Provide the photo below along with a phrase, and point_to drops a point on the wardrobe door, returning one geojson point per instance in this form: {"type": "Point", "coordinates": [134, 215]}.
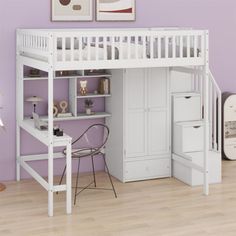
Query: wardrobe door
{"type": "Point", "coordinates": [135, 115]}
{"type": "Point", "coordinates": [158, 111]}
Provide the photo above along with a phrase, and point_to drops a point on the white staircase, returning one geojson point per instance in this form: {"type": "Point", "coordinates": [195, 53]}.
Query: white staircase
{"type": "Point", "coordinates": [190, 161]}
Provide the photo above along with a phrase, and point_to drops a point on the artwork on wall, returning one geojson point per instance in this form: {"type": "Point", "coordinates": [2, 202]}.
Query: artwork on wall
{"type": "Point", "coordinates": [115, 10]}
{"type": "Point", "coordinates": [72, 10]}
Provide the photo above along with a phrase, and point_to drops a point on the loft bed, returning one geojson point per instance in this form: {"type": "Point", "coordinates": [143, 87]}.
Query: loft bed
{"type": "Point", "coordinates": [53, 50]}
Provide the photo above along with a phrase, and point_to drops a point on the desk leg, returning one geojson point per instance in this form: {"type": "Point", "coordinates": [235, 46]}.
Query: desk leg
{"type": "Point", "coordinates": [50, 180]}
{"type": "Point", "coordinates": [68, 179]}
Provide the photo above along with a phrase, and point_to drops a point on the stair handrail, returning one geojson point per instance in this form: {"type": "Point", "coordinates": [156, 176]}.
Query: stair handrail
{"type": "Point", "coordinates": [218, 103]}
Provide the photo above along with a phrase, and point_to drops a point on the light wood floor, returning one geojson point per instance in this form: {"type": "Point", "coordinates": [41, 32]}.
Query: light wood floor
{"type": "Point", "coordinates": [157, 207]}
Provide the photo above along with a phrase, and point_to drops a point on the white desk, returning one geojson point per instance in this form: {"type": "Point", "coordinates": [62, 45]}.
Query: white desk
{"type": "Point", "coordinates": [63, 141]}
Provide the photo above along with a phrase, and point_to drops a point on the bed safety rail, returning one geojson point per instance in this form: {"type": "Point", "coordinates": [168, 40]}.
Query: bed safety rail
{"type": "Point", "coordinates": [33, 43]}
{"type": "Point", "coordinates": [95, 47]}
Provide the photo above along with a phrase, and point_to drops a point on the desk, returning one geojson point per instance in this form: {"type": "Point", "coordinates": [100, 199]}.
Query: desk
{"type": "Point", "coordinates": [63, 141]}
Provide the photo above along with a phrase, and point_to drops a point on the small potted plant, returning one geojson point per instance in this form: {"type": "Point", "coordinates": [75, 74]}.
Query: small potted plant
{"type": "Point", "coordinates": [88, 106]}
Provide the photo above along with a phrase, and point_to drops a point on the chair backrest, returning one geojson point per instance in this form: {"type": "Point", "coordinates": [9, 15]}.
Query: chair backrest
{"type": "Point", "coordinates": [95, 137]}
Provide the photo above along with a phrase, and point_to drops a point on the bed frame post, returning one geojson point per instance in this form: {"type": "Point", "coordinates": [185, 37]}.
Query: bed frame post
{"type": "Point", "coordinates": [206, 114]}
{"type": "Point", "coordinates": [19, 102]}
{"type": "Point", "coordinates": [50, 128]}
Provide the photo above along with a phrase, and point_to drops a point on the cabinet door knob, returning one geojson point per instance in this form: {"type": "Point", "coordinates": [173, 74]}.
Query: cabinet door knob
{"type": "Point", "coordinates": [187, 97]}
{"type": "Point", "coordinates": [196, 127]}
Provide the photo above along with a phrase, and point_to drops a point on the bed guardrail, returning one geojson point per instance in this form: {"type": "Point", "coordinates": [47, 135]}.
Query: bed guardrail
{"type": "Point", "coordinates": [72, 46]}
{"type": "Point", "coordinates": [152, 45]}
{"type": "Point", "coordinates": [33, 43]}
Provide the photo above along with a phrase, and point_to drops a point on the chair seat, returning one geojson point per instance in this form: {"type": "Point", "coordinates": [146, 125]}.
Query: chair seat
{"type": "Point", "coordinates": [83, 152]}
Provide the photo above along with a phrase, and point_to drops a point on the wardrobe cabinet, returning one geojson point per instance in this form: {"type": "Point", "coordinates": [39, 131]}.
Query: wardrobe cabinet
{"type": "Point", "coordinates": [139, 142]}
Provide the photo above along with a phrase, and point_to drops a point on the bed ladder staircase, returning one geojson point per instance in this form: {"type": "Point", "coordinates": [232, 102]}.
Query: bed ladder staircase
{"type": "Point", "coordinates": [188, 134]}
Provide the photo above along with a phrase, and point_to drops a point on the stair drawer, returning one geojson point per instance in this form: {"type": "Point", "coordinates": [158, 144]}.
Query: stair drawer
{"type": "Point", "coordinates": [188, 137]}
{"type": "Point", "coordinates": [147, 169]}
{"type": "Point", "coordinates": [186, 107]}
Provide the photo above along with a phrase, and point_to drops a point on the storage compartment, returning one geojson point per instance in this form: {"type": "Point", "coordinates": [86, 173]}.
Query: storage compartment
{"type": "Point", "coordinates": [188, 137]}
{"type": "Point", "coordinates": [147, 169]}
{"type": "Point", "coordinates": [193, 177]}
{"type": "Point", "coordinates": [186, 107]}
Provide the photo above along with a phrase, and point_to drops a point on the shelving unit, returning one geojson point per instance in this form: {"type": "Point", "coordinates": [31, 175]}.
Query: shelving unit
{"type": "Point", "coordinates": [74, 94]}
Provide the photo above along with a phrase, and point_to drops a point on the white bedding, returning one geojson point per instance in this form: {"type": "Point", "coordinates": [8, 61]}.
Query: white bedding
{"type": "Point", "coordinates": [117, 49]}
{"type": "Point", "coordinates": [101, 53]}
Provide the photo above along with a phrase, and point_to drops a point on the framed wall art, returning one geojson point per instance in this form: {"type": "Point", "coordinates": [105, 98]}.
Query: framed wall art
{"type": "Point", "coordinates": [72, 10]}
{"type": "Point", "coordinates": [115, 10]}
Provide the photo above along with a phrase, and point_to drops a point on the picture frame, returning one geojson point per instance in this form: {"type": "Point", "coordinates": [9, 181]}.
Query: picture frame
{"type": "Point", "coordinates": [115, 10]}
{"type": "Point", "coordinates": [71, 10]}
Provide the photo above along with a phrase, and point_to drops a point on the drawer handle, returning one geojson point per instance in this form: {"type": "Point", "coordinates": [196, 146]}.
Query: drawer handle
{"type": "Point", "coordinates": [187, 97]}
{"type": "Point", "coordinates": [197, 126]}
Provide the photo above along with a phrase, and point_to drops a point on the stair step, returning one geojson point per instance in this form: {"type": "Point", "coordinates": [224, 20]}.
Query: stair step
{"type": "Point", "coordinates": [191, 176]}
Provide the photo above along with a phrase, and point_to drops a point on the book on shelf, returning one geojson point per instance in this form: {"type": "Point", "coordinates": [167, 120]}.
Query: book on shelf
{"type": "Point", "coordinates": [67, 114]}
{"type": "Point", "coordinates": [104, 86]}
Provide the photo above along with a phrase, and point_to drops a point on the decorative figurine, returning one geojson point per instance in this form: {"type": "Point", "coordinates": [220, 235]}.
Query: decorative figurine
{"type": "Point", "coordinates": [83, 87]}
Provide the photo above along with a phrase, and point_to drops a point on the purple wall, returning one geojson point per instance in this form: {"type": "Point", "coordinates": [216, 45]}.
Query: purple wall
{"type": "Point", "coordinates": [217, 16]}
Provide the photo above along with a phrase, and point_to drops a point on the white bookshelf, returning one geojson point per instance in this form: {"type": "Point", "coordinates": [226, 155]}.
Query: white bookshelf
{"type": "Point", "coordinates": [74, 95]}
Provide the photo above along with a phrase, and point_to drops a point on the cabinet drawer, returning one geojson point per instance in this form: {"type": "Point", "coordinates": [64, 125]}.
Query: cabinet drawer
{"type": "Point", "coordinates": [188, 137]}
{"type": "Point", "coordinates": [147, 169]}
{"type": "Point", "coordinates": [186, 107]}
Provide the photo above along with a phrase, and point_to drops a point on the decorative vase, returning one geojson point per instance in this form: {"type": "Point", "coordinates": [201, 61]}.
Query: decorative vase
{"type": "Point", "coordinates": [88, 111]}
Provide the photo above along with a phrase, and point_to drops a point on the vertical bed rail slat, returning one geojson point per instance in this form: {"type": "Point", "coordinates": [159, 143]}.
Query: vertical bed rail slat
{"type": "Point", "coordinates": [96, 47]}
{"type": "Point", "coordinates": [181, 47]}
{"type": "Point", "coordinates": [89, 48]}
{"type": "Point", "coordinates": [151, 46]}
{"type": "Point", "coordinates": [72, 47]}
{"type": "Point", "coordinates": [159, 47]}
{"type": "Point", "coordinates": [112, 47]}
{"type": "Point", "coordinates": [188, 46]}
{"type": "Point", "coordinates": [36, 43]}
{"type": "Point", "coordinates": [136, 56]}
{"type": "Point", "coordinates": [166, 47]}
{"type": "Point", "coordinates": [195, 46]}
{"type": "Point", "coordinates": [63, 49]}
{"type": "Point", "coordinates": [174, 46]}
{"type": "Point", "coordinates": [144, 47]}
{"type": "Point", "coordinates": [202, 47]}
{"type": "Point", "coordinates": [105, 47]}
{"type": "Point", "coordinates": [121, 48]}
{"type": "Point", "coordinates": [80, 49]}
{"type": "Point", "coordinates": [128, 44]}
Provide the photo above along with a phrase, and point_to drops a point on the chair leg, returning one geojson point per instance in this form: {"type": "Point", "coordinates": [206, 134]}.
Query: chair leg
{"type": "Point", "coordinates": [94, 177]}
{"type": "Point", "coordinates": [77, 180]}
{"type": "Point", "coordinates": [108, 173]}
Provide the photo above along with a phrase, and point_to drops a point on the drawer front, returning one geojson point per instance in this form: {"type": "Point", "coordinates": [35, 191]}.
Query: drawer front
{"type": "Point", "coordinates": [147, 169]}
{"type": "Point", "coordinates": [193, 139]}
{"type": "Point", "coordinates": [186, 108]}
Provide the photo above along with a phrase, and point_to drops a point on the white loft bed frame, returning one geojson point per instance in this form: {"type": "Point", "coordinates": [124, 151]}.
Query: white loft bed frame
{"type": "Point", "coordinates": [50, 50]}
